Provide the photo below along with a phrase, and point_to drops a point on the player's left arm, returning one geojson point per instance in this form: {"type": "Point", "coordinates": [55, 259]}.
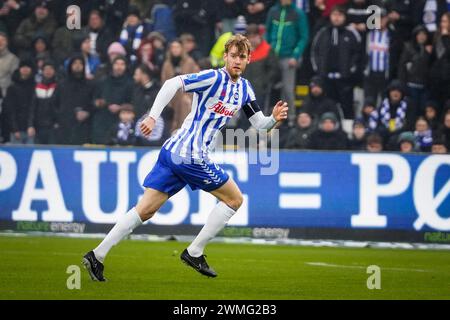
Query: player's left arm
{"type": "Point", "coordinates": [257, 118]}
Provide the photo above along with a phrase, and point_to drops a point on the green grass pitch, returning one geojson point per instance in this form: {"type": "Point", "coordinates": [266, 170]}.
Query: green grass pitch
{"type": "Point", "coordinates": [35, 268]}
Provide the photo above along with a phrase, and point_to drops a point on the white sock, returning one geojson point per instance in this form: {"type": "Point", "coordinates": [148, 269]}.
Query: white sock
{"type": "Point", "coordinates": [217, 220]}
{"type": "Point", "coordinates": [124, 226]}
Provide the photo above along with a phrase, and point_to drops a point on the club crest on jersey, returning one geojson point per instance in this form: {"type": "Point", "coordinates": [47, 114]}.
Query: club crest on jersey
{"type": "Point", "coordinates": [222, 110]}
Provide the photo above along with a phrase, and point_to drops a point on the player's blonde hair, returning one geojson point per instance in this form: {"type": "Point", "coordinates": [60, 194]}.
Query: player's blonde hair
{"type": "Point", "coordinates": [240, 42]}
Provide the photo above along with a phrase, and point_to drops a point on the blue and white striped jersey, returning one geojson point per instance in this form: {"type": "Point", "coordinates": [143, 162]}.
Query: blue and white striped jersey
{"type": "Point", "coordinates": [378, 50]}
{"type": "Point", "coordinates": [216, 99]}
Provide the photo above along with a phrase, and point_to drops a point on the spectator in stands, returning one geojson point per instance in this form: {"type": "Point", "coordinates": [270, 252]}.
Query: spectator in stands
{"type": "Point", "coordinates": [115, 50]}
{"type": "Point", "coordinates": [42, 117]}
{"type": "Point", "coordinates": [123, 133]}
{"type": "Point", "coordinates": [317, 103]}
{"type": "Point", "coordinates": [423, 134]}
{"type": "Point", "coordinates": [190, 46]}
{"type": "Point", "coordinates": [256, 11]}
{"type": "Point", "coordinates": [359, 136]}
{"type": "Point", "coordinates": [431, 114]}
{"type": "Point", "coordinates": [8, 64]}
{"type": "Point", "coordinates": [73, 101]}
{"type": "Point", "coordinates": [229, 11]}
{"type": "Point", "coordinates": [335, 57]}
{"type": "Point", "coordinates": [415, 65]}
{"type": "Point", "coordinates": [18, 101]}
{"type": "Point", "coordinates": [197, 17]}
{"type": "Point", "coordinates": [298, 137]}
{"type": "Point", "coordinates": [12, 12]}
{"type": "Point", "coordinates": [443, 133]}
{"type": "Point", "coordinates": [82, 44]}
{"type": "Point", "coordinates": [110, 94]}
{"type": "Point", "coordinates": [396, 113]}
{"type": "Point", "coordinates": [161, 18]}
{"type": "Point", "coordinates": [145, 90]}
{"type": "Point", "coordinates": [114, 12]}
{"type": "Point", "coordinates": [217, 51]}
{"type": "Point", "coordinates": [374, 143]}
{"type": "Point", "coordinates": [287, 32]}
{"type": "Point", "coordinates": [400, 14]}
{"type": "Point", "coordinates": [41, 22]}
{"type": "Point", "coordinates": [329, 135]}
{"type": "Point", "coordinates": [100, 36]}
{"type": "Point", "coordinates": [369, 115]}
{"type": "Point", "coordinates": [440, 70]}
{"type": "Point", "coordinates": [159, 50]}
{"type": "Point", "coordinates": [407, 142]}
{"type": "Point", "coordinates": [429, 13]}
{"type": "Point", "coordinates": [40, 47]}
{"type": "Point", "coordinates": [378, 57]}
{"type": "Point", "coordinates": [262, 62]}
{"type": "Point", "coordinates": [146, 56]}
{"type": "Point", "coordinates": [177, 63]}
{"type": "Point", "coordinates": [133, 31]}
{"type": "Point", "coordinates": [439, 147]}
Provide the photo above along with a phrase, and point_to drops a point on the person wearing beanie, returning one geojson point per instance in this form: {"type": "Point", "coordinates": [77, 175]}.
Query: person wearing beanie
{"type": "Point", "coordinates": [74, 111]}
{"type": "Point", "coordinates": [287, 32]}
{"type": "Point", "coordinates": [329, 135]}
{"type": "Point", "coordinates": [336, 57]}
{"type": "Point", "coordinates": [317, 103]}
{"type": "Point", "coordinates": [40, 22]}
{"type": "Point", "coordinates": [407, 142]}
{"type": "Point", "coordinates": [414, 66]}
{"type": "Point", "coordinates": [396, 113]}
{"type": "Point", "coordinates": [17, 103]}
{"type": "Point", "coordinates": [217, 51]}
{"type": "Point", "coordinates": [114, 51]}
{"type": "Point", "coordinates": [298, 137]}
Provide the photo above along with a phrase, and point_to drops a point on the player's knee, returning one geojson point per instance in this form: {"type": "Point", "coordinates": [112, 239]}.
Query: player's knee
{"type": "Point", "coordinates": [236, 202]}
{"type": "Point", "coordinates": [145, 212]}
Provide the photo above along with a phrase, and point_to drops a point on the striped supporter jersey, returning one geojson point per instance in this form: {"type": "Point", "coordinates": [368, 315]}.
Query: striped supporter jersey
{"type": "Point", "coordinates": [216, 99]}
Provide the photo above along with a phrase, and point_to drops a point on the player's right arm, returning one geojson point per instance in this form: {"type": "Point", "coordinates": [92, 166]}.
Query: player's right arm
{"type": "Point", "coordinates": [195, 82]}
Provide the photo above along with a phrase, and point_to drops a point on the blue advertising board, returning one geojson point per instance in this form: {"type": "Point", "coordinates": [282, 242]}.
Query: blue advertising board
{"type": "Point", "coordinates": [288, 189]}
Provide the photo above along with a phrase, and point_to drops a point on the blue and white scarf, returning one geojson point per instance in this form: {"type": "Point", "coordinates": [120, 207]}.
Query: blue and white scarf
{"type": "Point", "coordinates": [124, 36]}
{"type": "Point", "coordinates": [385, 114]}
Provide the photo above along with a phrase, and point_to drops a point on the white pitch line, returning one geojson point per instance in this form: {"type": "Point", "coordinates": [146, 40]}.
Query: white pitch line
{"type": "Point", "coordinates": [329, 265]}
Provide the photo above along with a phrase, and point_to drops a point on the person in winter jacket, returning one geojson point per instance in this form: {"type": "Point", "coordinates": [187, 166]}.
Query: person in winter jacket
{"type": "Point", "coordinates": [17, 103]}
{"type": "Point", "coordinates": [415, 66]}
{"type": "Point", "coordinates": [110, 94]}
{"type": "Point", "coordinates": [73, 100]}
{"type": "Point", "coordinates": [317, 103]}
{"type": "Point", "coordinates": [298, 137]}
{"type": "Point", "coordinates": [440, 69]}
{"type": "Point", "coordinates": [41, 22]}
{"type": "Point", "coordinates": [335, 56]}
{"type": "Point", "coordinates": [42, 118]}
{"type": "Point", "coordinates": [329, 135]}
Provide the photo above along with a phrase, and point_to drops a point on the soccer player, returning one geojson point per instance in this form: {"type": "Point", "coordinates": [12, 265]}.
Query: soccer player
{"type": "Point", "coordinates": [183, 159]}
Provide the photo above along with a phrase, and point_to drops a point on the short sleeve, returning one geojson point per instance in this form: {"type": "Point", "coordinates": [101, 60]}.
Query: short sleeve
{"type": "Point", "coordinates": [198, 82]}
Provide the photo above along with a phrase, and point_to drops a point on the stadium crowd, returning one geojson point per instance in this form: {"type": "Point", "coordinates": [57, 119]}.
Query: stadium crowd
{"type": "Point", "coordinates": [389, 77]}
